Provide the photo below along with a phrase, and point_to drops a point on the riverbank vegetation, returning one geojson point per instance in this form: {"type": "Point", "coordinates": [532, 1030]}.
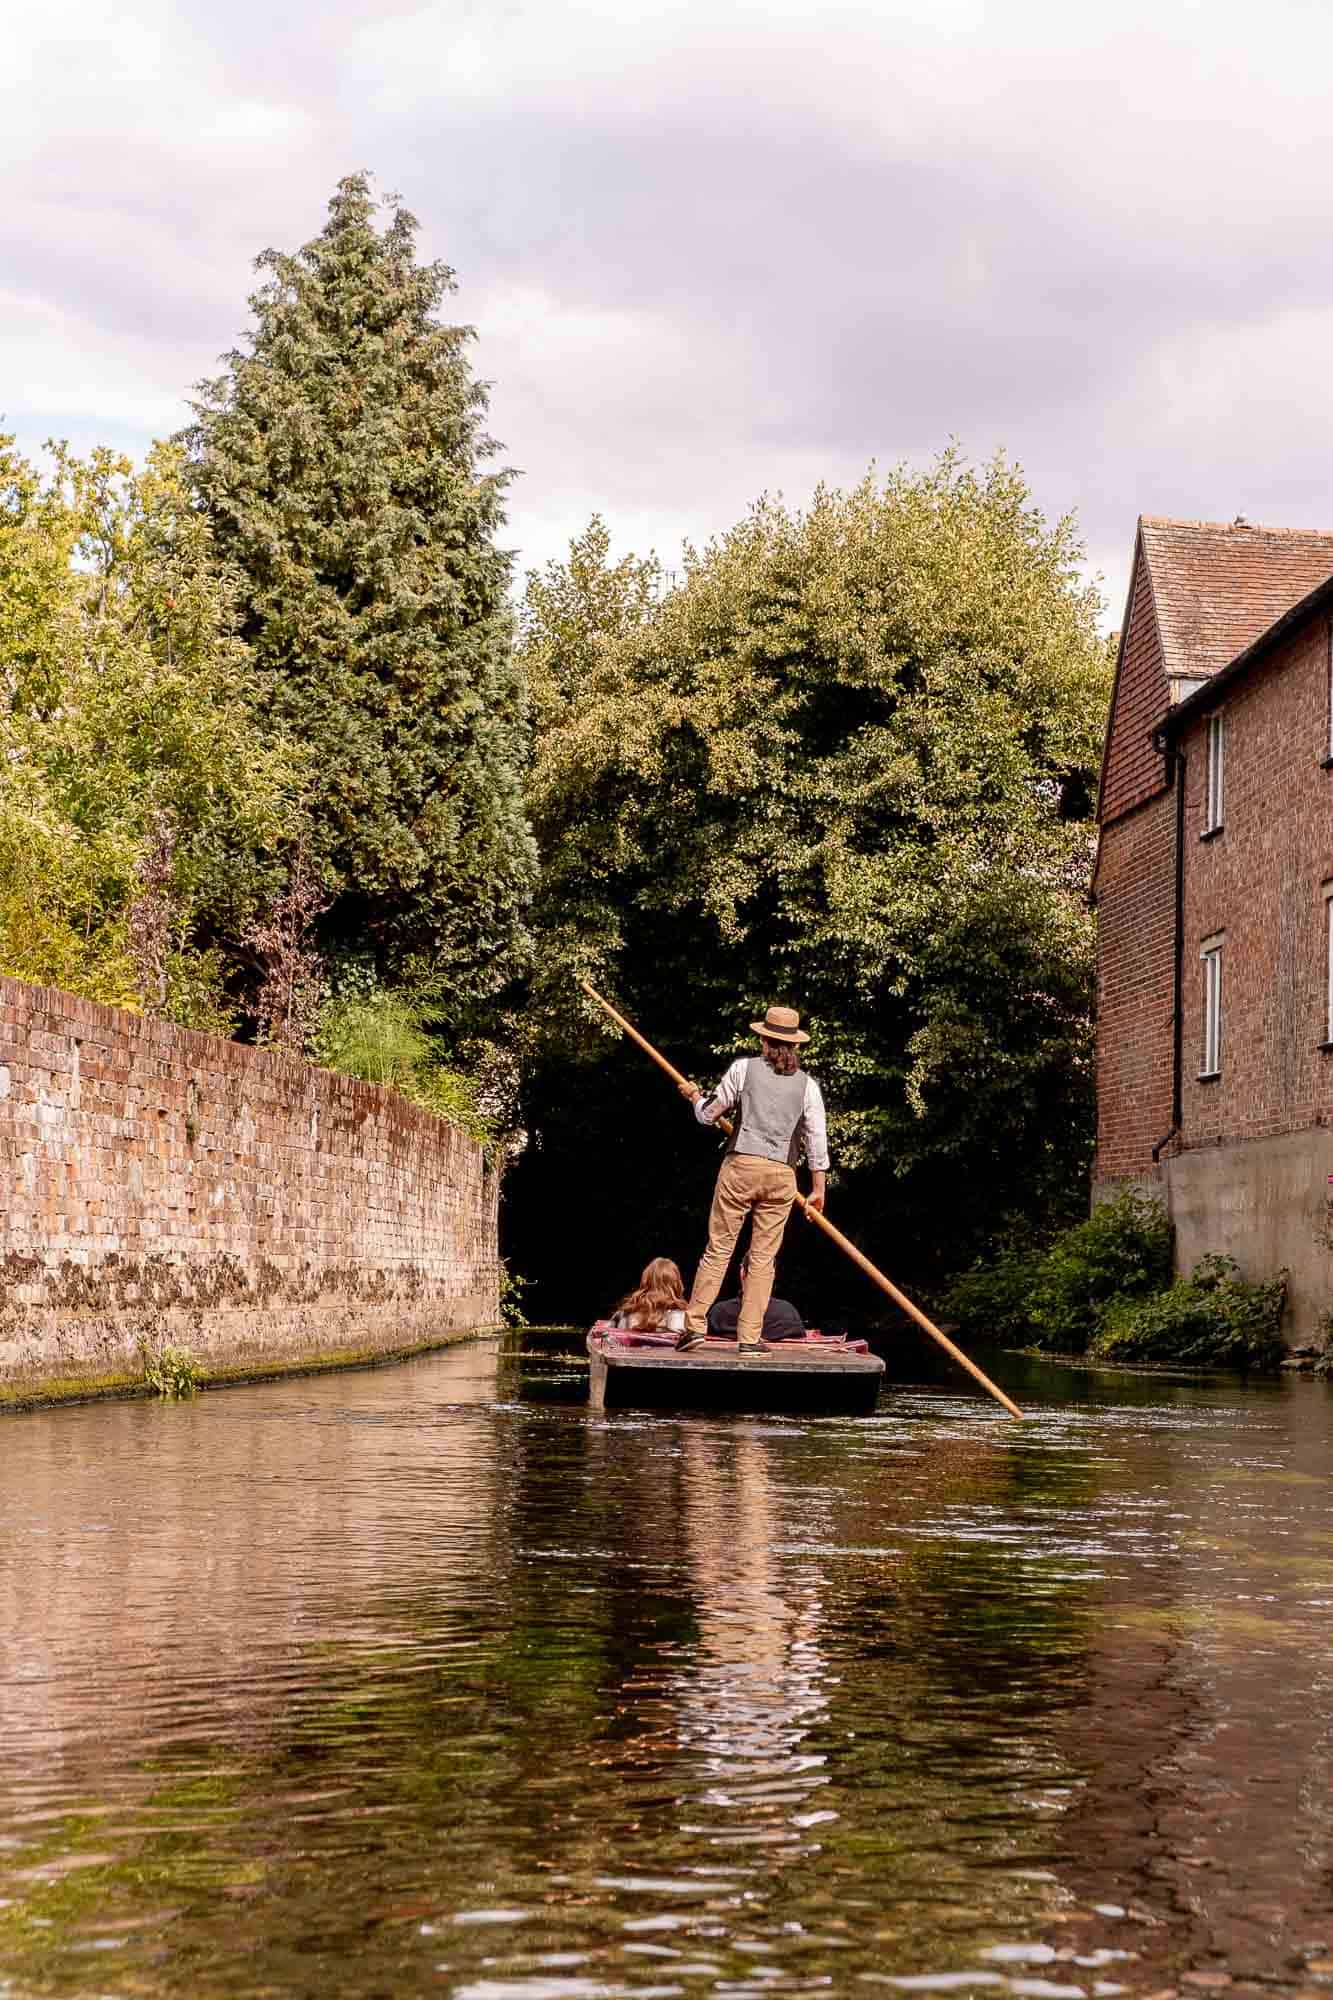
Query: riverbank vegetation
{"type": "Point", "coordinates": [282, 758]}
{"type": "Point", "coordinates": [1105, 1288]}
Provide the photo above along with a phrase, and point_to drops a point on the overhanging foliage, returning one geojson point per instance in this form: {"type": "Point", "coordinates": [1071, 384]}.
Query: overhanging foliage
{"type": "Point", "coordinates": [843, 762]}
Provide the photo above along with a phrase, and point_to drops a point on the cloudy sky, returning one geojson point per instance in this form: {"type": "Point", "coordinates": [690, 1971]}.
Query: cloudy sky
{"type": "Point", "coordinates": [713, 247]}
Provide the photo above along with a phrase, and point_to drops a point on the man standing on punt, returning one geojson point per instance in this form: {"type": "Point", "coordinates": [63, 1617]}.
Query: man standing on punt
{"type": "Point", "coordinates": [780, 1114]}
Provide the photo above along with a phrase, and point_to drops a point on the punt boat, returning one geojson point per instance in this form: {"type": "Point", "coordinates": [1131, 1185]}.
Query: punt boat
{"type": "Point", "coordinates": [821, 1375]}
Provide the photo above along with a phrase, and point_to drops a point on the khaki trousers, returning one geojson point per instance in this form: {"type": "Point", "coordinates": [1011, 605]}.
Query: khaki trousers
{"type": "Point", "coordinates": [765, 1191]}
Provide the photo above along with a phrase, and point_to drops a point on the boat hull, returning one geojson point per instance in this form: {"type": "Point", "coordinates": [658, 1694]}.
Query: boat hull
{"type": "Point", "coordinates": [793, 1378]}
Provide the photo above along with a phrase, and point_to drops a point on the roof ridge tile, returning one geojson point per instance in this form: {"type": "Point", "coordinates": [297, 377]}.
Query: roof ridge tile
{"type": "Point", "coordinates": [1236, 527]}
{"type": "Point", "coordinates": [1217, 586]}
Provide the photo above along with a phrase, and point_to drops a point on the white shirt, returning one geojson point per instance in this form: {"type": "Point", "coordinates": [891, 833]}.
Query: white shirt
{"type": "Point", "coordinates": [672, 1321]}
{"type": "Point", "coordinates": [812, 1129]}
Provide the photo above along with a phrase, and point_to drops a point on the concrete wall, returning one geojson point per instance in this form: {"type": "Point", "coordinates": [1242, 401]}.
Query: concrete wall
{"type": "Point", "coordinates": [1265, 1203]}
{"type": "Point", "coordinates": [169, 1186]}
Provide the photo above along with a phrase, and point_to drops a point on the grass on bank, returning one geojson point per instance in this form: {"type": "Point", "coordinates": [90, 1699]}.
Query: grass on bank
{"type": "Point", "coordinates": [18, 1396]}
{"type": "Point", "coordinates": [1105, 1288]}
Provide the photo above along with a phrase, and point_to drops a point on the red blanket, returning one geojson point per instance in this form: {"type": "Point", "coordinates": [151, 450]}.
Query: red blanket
{"type": "Point", "coordinates": [622, 1336]}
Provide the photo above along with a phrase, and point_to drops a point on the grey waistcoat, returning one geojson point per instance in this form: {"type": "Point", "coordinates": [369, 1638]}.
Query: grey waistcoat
{"type": "Point", "coordinates": [770, 1110]}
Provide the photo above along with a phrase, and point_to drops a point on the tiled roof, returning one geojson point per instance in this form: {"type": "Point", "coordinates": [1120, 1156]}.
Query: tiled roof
{"type": "Point", "coordinates": [1216, 586]}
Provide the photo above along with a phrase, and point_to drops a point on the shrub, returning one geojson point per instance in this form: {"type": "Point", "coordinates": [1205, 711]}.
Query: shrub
{"type": "Point", "coordinates": [171, 1371]}
{"type": "Point", "coordinates": [1324, 1365]}
{"type": "Point", "coordinates": [1123, 1251]}
{"type": "Point", "coordinates": [512, 1288]}
{"type": "Point", "coordinates": [1212, 1319]}
{"type": "Point", "coordinates": [996, 1301]}
{"type": "Point", "coordinates": [1058, 1298]}
{"type": "Point", "coordinates": [383, 1038]}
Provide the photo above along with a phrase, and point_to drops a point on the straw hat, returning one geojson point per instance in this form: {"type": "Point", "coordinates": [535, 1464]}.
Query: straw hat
{"type": "Point", "coordinates": [781, 1024]}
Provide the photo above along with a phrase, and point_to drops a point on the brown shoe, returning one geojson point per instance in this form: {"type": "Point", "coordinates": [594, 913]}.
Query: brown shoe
{"type": "Point", "coordinates": [685, 1341]}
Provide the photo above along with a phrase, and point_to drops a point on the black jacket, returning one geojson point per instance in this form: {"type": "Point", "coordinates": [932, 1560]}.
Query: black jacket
{"type": "Point", "coordinates": [781, 1321]}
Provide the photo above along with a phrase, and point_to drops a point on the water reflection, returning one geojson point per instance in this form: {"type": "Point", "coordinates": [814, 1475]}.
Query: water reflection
{"type": "Point", "coordinates": [138, 1547]}
{"type": "Point", "coordinates": [747, 1699]}
{"type": "Point", "coordinates": [402, 1682]}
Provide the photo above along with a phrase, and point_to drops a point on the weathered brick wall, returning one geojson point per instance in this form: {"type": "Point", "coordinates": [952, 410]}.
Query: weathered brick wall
{"type": "Point", "coordinates": [1260, 882]}
{"type": "Point", "coordinates": [1135, 988]}
{"type": "Point", "coordinates": [1135, 891]}
{"type": "Point", "coordinates": [1132, 769]}
{"type": "Point", "coordinates": [165, 1185]}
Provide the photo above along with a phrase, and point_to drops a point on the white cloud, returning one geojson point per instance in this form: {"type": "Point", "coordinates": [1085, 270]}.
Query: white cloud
{"type": "Point", "coordinates": [713, 246]}
{"type": "Point", "coordinates": [55, 386]}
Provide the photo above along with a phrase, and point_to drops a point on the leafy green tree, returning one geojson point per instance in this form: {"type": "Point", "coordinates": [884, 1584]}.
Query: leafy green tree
{"type": "Point", "coordinates": [574, 616]}
{"type": "Point", "coordinates": [141, 814]}
{"type": "Point", "coordinates": [340, 460]}
{"type": "Point", "coordinates": [843, 763]}
{"type": "Point", "coordinates": [38, 591]}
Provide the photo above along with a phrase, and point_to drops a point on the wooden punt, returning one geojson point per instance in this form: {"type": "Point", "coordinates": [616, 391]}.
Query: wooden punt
{"type": "Point", "coordinates": [817, 1376]}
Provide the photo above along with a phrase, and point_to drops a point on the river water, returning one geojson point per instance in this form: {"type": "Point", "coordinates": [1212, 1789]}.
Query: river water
{"type": "Point", "coordinates": [427, 1680]}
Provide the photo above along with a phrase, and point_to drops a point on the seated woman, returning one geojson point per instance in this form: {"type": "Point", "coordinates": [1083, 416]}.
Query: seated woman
{"type": "Point", "coordinates": [658, 1302]}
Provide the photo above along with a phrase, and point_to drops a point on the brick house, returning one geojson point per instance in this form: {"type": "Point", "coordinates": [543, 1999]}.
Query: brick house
{"type": "Point", "coordinates": [1214, 893]}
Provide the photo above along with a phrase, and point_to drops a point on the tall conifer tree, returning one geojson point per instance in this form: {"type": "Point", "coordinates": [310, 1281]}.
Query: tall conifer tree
{"type": "Point", "coordinates": [340, 459]}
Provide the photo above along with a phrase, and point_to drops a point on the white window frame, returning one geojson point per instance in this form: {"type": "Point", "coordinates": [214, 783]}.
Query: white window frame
{"type": "Point", "coordinates": [1328, 687]}
{"type": "Point", "coordinates": [1215, 772]}
{"type": "Point", "coordinates": [1328, 965]}
{"type": "Point", "coordinates": [1210, 956]}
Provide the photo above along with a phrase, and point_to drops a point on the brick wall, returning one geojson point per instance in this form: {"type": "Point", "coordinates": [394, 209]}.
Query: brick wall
{"type": "Point", "coordinates": [1135, 987]}
{"type": "Point", "coordinates": [165, 1185]}
{"type": "Point", "coordinates": [1260, 883]}
{"type": "Point", "coordinates": [1132, 769]}
{"type": "Point", "coordinates": [1135, 890]}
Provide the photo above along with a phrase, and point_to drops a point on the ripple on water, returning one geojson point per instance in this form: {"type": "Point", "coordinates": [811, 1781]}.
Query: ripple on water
{"type": "Point", "coordinates": [377, 1683]}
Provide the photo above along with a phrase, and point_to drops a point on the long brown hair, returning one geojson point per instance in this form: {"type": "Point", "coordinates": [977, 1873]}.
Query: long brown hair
{"type": "Point", "coordinates": [660, 1288]}
{"type": "Point", "coordinates": [784, 1057]}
